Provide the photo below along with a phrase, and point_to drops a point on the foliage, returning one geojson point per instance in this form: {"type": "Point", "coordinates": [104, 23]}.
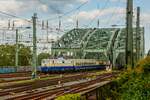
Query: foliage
{"type": "Point", "coordinates": [7, 55]}
{"type": "Point", "coordinates": [42, 56]}
{"type": "Point", "coordinates": [134, 84]}
{"type": "Point", "coordinates": [25, 56]}
{"type": "Point", "coordinates": [144, 65]}
{"type": "Point", "coordinates": [70, 97]}
{"type": "Point", "coordinates": [136, 89]}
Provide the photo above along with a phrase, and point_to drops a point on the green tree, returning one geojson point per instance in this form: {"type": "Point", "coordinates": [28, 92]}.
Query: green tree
{"type": "Point", "coordinates": [134, 84]}
{"type": "Point", "coordinates": [42, 56]}
{"type": "Point", "coordinates": [24, 55]}
{"type": "Point", "coordinates": [7, 55]}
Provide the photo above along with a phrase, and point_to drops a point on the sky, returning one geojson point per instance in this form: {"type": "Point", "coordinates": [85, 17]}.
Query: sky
{"type": "Point", "coordinates": [109, 12]}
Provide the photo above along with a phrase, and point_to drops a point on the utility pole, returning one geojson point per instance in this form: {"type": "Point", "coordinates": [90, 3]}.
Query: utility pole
{"type": "Point", "coordinates": [98, 23]}
{"type": "Point", "coordinates": [47, 31]}
{"type": "Point", "coordinates": [129, 34]}
{"type": "Point", "coordinates": [34, 59]}
{"type": "Point", "coordinates": [17, 51]}
{"type": "Point", "coordinates": [59, 25]}
{"type": "Point", "coordinates": [8, 24]}
{"type": "Point", "coordinates": [138, 35]}
{"type": "Point", "coordinates": [42, 25]}
{"type": "Point", "coordinates": [13, 25]}
{"type": "Point", "coordinates": [77, 24]}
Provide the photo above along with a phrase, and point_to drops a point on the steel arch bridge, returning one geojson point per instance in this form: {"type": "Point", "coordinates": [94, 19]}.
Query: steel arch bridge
{"type": "Point", "coordinates": [106, 44]}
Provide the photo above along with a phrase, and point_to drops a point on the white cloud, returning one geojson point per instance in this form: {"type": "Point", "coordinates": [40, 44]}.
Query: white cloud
{"type": "Point", "coordinates": [145, 17]}
{"type": "Point", "coordinates": [88, 15]}
{"type": "Point", "coordinates": [60, 6]}
{"type": "Point", "coordinates": [119, 1]}
{"type": "Point", "coordinates": [82, 1]}
{"type": "Point", "coordinates": [44, 8]}
{"type": "Point", "coordinates": [70, 20]}
{"type": "Point", "coordinates": [10, 5]}
{"type": "Point", "coordinates": [20, 6]}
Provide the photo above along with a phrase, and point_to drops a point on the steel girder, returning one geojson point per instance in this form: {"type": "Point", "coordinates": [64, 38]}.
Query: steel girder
{"type": "Point", "coordinates": [105, 44]}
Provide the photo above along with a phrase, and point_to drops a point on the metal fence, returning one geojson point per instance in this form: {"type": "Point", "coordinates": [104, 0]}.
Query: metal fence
{"type": "Point", "coordinates": [12, 69]}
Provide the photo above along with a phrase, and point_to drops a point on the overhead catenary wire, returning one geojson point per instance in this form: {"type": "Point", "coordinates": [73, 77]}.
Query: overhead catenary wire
{"type": "Point", "coordinates": [114, 12]}
{"type": "Point", "coordinates": [69, 12]}
{"type": "Point", "coordinates": [15, 16]}
{"type": "Point", "coordinates": [64, 15]}
{"type": "Point", "coordinates": [99, 12]}
{"type": "Point", "coordinates": [11, 15]}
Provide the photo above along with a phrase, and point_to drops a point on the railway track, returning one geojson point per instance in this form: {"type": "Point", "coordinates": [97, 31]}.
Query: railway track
{"type": "Point", "coordinates": [38, 84]}
{"type": "Point", "coordinates": [10, 75]}
{"type": "Point", "coordinates": [76, 88]}
{"type": "Point", "coordinates": [8, 86]}
{"type": "Point", "coordinates": [28, 74]}
{"type": "Point", "coordinates": [57, 91]}
{"type": "Point", "coordinates": [21, 78]}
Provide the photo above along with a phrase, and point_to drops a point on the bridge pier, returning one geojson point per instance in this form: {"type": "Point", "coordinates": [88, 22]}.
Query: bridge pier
{"type": "Point", "coordinates": [98, 93]}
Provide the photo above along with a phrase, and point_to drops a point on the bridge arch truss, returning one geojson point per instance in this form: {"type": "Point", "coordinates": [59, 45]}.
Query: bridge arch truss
{"type": "Point", "coordinates": [106, 44]}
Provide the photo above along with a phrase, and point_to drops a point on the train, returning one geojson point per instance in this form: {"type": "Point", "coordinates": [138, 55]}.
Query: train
{"type": "Point", "coordinates": [71, 65]}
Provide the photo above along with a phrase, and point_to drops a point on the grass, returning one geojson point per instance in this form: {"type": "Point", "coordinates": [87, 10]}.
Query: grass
{"type": "Point", "coordinates": [70, 97]}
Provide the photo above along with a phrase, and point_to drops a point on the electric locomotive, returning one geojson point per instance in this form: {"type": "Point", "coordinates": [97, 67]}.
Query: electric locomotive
{"type": "Point", "coordinates": [71, 65]}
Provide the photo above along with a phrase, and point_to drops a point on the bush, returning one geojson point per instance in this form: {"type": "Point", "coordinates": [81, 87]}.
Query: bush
{"type": "Point", "coordinates": [135, 89]}
{"type": "Point", "coordinates": [134, 84]}
{"type": "Point", "coordinates": [143, 65]}
{"type": "Point", "coordinates": [70, 97]}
